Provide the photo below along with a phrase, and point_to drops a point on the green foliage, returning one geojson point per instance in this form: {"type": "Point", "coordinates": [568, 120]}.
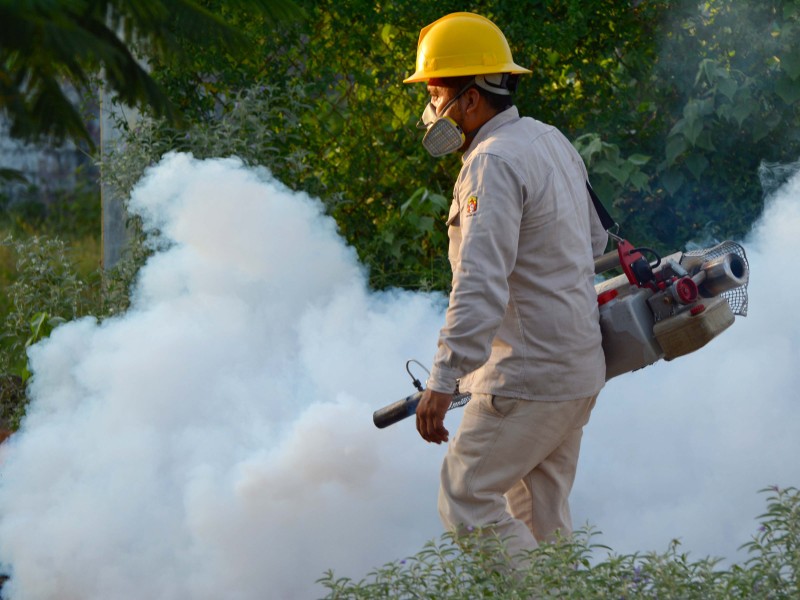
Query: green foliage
{"type": "Point", "coordinates": [46, 293]}
{"type": "Point", "coordinates": [476, 566]}
{"type": "Point", "coordinates": [413, 240]}
{"type": "Point", "coordinates": [260, 127]}
{"type": "Point", "coordinates": [72, 214]}
{"type": "Point", "coordinates": [12, 402]}
{"type": "Point", "coordinates": [733, 105]}
{"type": "Point", "coordinates": [672, 103]}
{"type": "Point", "coordinates": [49, 288]}
{"type": "Point", "coordinates": [351, 139]}
{"type": "Point", "coordinates": [775, 561]}
{"type": "Point", "coordinates": [44, 43]}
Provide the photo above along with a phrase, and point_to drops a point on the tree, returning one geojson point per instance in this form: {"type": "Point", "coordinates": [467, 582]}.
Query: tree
{"type": "Point", "coordinates": [672, 104]}
{"type": "Point", "coordinates": [44, 44]}
{"type": "Point", "coordinates": [723, 95]}
{"type": "Point", "coordinates": [362, 150]}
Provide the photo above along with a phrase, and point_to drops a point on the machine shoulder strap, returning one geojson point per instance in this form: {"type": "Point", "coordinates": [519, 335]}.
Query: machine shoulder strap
{"type": "Point", "coordinates": [605, 218]}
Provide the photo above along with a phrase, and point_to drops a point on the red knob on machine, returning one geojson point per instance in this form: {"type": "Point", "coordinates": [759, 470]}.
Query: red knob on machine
{"type": "Point", "coordinates": [686, 290]}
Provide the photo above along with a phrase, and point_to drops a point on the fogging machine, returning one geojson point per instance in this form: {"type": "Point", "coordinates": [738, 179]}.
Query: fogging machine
{"type": "Point", "coordinates": [657, 308]}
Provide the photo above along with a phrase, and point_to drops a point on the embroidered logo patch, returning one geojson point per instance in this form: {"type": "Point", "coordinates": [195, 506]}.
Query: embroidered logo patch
{"type": "Point", "coordinates": [472, 205]}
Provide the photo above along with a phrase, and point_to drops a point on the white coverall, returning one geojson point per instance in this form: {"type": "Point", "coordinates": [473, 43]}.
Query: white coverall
{"type": "Point", "coordinates": [522, 330]}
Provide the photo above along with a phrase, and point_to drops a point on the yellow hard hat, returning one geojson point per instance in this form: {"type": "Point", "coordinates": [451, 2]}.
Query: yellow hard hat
{"type": "Point", "coordinates": [462, 44]}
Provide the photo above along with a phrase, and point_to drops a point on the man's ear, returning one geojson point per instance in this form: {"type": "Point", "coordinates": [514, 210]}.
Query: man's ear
{"type": "Point", "coordinates": [473, 98]}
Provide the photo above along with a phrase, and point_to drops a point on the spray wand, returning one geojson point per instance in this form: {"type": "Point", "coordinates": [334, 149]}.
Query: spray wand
{"type": "Point", "coordinates": [397, 411]}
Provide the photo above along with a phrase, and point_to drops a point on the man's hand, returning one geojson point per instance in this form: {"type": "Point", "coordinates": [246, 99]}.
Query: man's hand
{"type": "Point", "coordinates": [430, 416]}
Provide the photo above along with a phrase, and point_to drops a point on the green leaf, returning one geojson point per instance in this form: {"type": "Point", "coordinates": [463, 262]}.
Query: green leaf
{"type": "Point", "coordinates": [742, 110]}
{"type": "Point", "coordinates": [724, 111]}
{"type": "Point", "coordinates": [640, 181]}
{"type": "Point", "coordinates": [643, 107]}
{"type": "Point", "coordinates": [694, 127]}
{"type": "Point", "coordinates": [54, 322]}
{"type": "Point", "coordinates": [672, 180]}
{"type": "Point", "coordinates": [603, 187]}
{"type": "Point", "coordinates": [418, 196]}
{"type": "Point", "coordinates": [616, 171]}
{"type": "Point", "coordinates": [388, 33]}
{"type": "Point", "coordinates": [639, 159]}
{"type": "Point", "coordinates": [727, 87]}
{"type": "Point", "coordinates": [790, 64]}
{"type": "Point", "coordinates": [788, 90]}
{"type": "Point", "coordinates": [38, 321]}
{"type": "Point", "coordinates": [39, 328]}
{"type": "Point", "coordinates": [678, 128]}
{"type": "Point", "coordinates": [692, 123]}
{"type": "Point", "coordinates": [697, 164]}
{"type": "Point", "coordinates": [425, 224]}
{"type": "Point", "coordinates": [708, 70]}
{"type": "Point", "coordinates": [695, 109]}
{"type": "Point", "coordinates": [675, 147]}
{"type": "Point", "coordinates": [705, 141]}
{"type": "Point", "coordinates": [438, 201]}
{"type": "Point", "coordinates": [759, 131]}
{"type": "Point", "coordinates": [588, 145]}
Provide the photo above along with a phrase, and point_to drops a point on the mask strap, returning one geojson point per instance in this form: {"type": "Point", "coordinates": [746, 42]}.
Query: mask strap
{"type": "Point", "coordinates": [457, 96]}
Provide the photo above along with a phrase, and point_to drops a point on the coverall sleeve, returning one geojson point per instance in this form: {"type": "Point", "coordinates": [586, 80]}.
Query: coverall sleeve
{"type": "Point", "coordinates": [490, 197]}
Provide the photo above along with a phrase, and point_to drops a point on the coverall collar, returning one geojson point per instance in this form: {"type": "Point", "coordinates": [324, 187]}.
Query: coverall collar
{"type": "Point", "coordinates": [507, 116]}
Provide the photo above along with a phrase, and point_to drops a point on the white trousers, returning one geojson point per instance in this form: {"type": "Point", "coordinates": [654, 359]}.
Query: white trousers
{"type": "Point", "coordinates": [511, 467]}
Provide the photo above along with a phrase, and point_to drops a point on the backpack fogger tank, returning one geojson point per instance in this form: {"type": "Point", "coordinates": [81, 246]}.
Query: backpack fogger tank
{"type": "Point", "coordinates": [670, 308]}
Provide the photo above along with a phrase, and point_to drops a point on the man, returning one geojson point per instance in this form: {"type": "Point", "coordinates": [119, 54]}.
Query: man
{"type": "Point", "coordinates": [521, 331]}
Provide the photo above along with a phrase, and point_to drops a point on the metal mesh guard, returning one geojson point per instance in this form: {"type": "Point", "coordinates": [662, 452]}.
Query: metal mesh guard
{"type": "Point", "coordinates": [737, 297]}
{"type": "Point", "coordinates": [459, 400]}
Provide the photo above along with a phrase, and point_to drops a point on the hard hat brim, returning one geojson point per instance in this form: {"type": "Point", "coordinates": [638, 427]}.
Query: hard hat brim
{"type": "Point", "coordinates": [426, 74]}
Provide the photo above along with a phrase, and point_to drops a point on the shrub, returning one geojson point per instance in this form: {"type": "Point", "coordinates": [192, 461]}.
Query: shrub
{"type": "Point", "coordinates": [473, 567]}
{"type": "Point", "coordinates": [49, 288]}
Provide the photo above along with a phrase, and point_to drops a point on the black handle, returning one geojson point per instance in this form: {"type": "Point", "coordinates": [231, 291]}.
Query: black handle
{"type": "Point", "coordinates": [397, 411]}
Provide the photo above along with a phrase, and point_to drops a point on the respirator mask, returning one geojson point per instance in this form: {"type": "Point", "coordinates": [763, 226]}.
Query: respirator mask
{"type": "Point", "coordinates": [443, 135]}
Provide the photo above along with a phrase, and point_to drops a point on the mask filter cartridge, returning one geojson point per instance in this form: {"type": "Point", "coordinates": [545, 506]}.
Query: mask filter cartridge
{"type": "Point", "coordinates": [444, 136]}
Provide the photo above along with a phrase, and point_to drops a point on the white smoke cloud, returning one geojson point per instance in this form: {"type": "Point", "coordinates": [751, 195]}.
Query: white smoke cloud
{"type": "Point", "coordinates": [216, 441]}
{"type": "Point", "coordinates": [680, 450]}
